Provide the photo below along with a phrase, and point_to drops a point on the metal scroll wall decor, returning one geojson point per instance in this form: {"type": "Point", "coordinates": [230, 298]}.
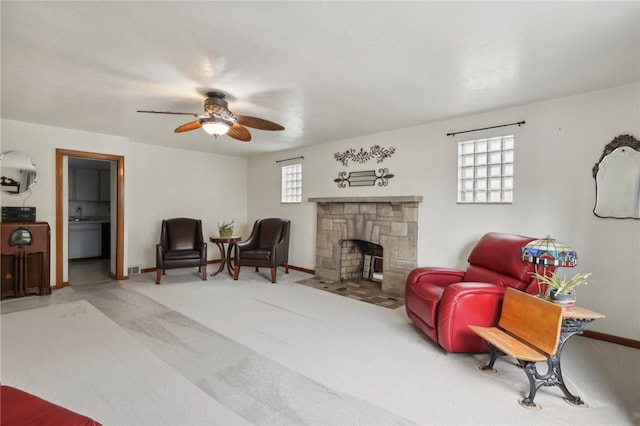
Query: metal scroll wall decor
{"type": "Point", "coordinates": [362, 156]}
{"type": "Point", "coordinates": [364, 178]}
{"type": "Point", "coordinates": [378, 177]}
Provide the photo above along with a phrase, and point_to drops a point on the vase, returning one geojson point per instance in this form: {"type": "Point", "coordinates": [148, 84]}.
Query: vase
{"type": "Point", "coordinates": [566, 300]}
{"type": "Point", "coordinates": [225, 233]}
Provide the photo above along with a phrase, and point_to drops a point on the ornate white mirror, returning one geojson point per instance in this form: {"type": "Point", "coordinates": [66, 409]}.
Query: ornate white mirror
{"type": "Point", "coordinates": [617, 176]}
{"type": "Point", "coordinates": [18, 172]}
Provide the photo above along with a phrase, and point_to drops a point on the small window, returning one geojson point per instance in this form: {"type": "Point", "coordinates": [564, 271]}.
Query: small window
{"type": "Point", "coordinates": [485, 170]}
{"type": "Point", "coordinates": [292, 183]}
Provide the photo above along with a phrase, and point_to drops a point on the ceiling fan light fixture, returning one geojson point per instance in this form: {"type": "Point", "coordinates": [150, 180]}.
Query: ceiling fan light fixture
{"type": "Point", "coordinates": [218, 120]}
{"type": "Point", "coordinates": [215, 126]}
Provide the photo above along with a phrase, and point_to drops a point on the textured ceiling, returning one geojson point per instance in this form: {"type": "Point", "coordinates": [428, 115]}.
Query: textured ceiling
{"type": "Point", "coordinates": [325, 70]}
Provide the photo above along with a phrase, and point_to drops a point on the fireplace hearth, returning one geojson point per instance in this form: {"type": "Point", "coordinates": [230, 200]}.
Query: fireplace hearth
{"type": "Point", "coordinates": [389, 222]}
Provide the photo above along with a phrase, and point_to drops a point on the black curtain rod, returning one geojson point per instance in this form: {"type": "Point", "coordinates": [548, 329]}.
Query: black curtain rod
{"type": "Point", "coordinates": [287, 159]}
{"type": "Point", "coordinates": [519, 123]}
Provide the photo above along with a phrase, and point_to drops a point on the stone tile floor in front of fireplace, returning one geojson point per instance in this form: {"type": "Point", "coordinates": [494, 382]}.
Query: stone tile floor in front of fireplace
{"type": "Point", "coordinates": [359, 289]}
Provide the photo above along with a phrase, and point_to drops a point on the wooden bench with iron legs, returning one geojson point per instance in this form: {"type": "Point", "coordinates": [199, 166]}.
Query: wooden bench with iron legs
{"type": "Point", "coordinates": [529, 331]}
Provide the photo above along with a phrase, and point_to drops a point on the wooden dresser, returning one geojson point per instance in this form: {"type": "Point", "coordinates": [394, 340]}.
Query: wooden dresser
{"type": "Point", "coordinates": [25, 250]}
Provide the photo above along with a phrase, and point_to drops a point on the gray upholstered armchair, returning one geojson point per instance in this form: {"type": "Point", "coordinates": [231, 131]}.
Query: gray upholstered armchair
{"type": "Point", "coordinates": [267, 247]}
{"type": "Point", "coordinates": [181, 245]}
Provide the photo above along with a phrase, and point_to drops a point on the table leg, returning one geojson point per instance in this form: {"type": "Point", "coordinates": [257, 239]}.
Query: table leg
{"type": "Point", "coordinates": [229, 267]}
{"type": "Point", "coordinates": [223, 259]}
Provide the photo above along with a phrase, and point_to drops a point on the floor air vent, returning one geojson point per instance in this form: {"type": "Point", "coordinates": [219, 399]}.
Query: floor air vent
{"type": "Point", "coordinates": [134, 270]}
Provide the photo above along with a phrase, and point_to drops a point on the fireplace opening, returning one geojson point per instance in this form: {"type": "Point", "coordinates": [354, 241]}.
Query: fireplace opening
{"type": "Point", "coordinates": [361, 260]}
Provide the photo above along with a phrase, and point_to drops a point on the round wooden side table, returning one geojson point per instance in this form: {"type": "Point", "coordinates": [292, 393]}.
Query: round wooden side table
{"type": "Point", "coordinates": [225, 257]}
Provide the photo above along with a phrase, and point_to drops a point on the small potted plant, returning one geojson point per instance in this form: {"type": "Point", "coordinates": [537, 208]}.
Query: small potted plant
{"type": "Point", "coordinates": [561, 290]}
{"type": "Point", "coordinates": [226, 229]}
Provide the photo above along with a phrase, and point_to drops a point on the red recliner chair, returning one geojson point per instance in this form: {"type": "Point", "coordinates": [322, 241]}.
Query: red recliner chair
{"type": "Point", "coordinates": [25, 409]}
{"type": "Point", "coordinates": [442, 302]}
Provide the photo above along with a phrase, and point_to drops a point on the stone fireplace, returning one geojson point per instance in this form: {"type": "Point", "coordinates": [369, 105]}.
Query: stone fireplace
{"type": "Point", "coordinates": [391, 222]}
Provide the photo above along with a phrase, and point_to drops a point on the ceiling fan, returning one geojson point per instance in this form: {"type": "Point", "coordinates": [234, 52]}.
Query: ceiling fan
{"type": "Point", "coordinates": [218, 120]}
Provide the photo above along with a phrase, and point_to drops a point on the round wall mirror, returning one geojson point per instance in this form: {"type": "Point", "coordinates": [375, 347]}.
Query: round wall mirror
{"type": "Point", "coordinates": [18, 172]}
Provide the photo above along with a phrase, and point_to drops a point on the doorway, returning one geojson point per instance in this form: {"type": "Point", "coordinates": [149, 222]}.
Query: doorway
{"type": "Point", "coordinates": [89, 213]}
{"type": "Point", "coordinates": [116, 216]}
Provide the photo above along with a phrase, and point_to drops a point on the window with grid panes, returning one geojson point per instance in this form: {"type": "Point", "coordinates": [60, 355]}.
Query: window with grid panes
{"type": "Point", "coordinates": [292, 183]}
{"type": "Point", "coordinates": [485, 170]}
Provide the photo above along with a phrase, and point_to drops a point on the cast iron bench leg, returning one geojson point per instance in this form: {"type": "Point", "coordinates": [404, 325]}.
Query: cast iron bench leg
{"type": "Point", "coordinates": [535, 382]}
{"type": "Point", "coordinates": [495, 353]}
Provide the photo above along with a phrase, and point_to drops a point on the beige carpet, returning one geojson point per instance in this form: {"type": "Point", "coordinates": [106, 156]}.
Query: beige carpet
{"type": "Point", "coordinates": [95, 368]}
{"type": "Point", "coordinates": [192, 352]}
{"type": "Point", "coordinates": [378, 356]}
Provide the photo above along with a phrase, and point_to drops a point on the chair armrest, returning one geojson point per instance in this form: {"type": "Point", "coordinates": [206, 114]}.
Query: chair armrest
{"type": "Point", "coordinates": [441, 277]}
{"type": "Point", "coordinates": [241, 246]}
{"type": "Point", "coordinates": [279, 249]}
{"type": "Point", "coordinates": [203, 253]}
{"type": "Point", "coordinates": [23, 408]}
{"type": "Point", "coordinates": [472, 292]}
{"type": "Point", "coordinates": [463, 304]}
{"type": "Point", "coordinates": [200, 243]}
{"type": "Point", "coordinates": [282, 252]}
{"type": "Point", "coordinates": [245, 245]}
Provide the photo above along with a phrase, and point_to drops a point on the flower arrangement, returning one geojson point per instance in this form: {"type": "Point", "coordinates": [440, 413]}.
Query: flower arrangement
{"type": "Point", "coordinates": [226, 228]}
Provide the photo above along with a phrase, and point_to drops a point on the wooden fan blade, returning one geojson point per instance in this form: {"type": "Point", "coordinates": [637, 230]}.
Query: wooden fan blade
{"type": "Point", "coordinates": [238, 131]}
{"type": "Point", "coordinates": [189, 126]}
{"type": "Point", "coordinates": [258, 123]}
{"type": "Point", "coordinates": [169, 112]}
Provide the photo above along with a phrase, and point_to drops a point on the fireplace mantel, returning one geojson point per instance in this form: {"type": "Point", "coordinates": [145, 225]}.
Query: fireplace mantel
{"type": "Point", "coordinates": [390, 199]}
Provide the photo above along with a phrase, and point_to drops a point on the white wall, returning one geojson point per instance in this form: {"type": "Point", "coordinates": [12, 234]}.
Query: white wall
{"type": "Point", "coordinates": [40, 143]}
{"type": "Point", "coordinates": [164, 183]}
{"type": "Point", "coordinates": [159, 183]}
{"type": "Point", "coordinates": [554, 192]}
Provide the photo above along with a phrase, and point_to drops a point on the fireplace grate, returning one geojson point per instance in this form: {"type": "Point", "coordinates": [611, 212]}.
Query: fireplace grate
{"type": "Point", "coordinates": [372, 268]}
